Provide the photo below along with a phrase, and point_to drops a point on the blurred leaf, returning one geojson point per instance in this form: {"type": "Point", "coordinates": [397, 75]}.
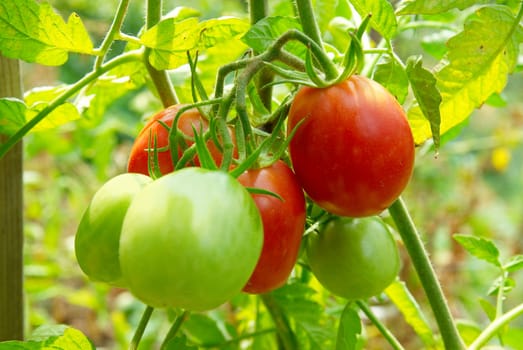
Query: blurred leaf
{"type": "Point", "coordinates": [479, 247]}
{"type": "Point", "coordinates": [263, 34]}
{"type": "Point", "coordinates": [423, 85]}
{"type": "Point", "coordinates": [411, 311]}
{"type": "Point", "coordinates": [515, 263]}
{"type": "Point", "coordinates": [393, 77]}
{"type": "Point", "coordinates": [488, 308]}
{"type": "Point", "coordinates": [349, 330]}
{"type": "Point", "coordinates": [33, 32]}
{"type": "Point", "coordinates": [204, 329]}
{"type": "Point", "coordinates": [478, 62]}
{"type": "Point", "coordinates": [435, 43]}
{"type": "Point", "coordinates": [468, 330]}
{"type": "Point", "coordinates": [62, 114]}
{"type": "Point", "coordinates": [57, 337]}
{"type": "Point", "coordinates": [179, 343]}
{"type": "Point", "coordinates": [506, 283]}
{"type": "Point", "coordinates": [383, 18]}
{"type": "Point", "coordinates": [417, 7]}
{"type": "Point", "coordinates": [324, 11]}
{"type": "Point", "coordinates": [12, 115]}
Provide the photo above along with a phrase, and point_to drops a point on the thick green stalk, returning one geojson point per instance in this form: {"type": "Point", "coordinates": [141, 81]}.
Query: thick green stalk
{"type": "Point", "coordinates": [11, 219]}
{"type": "Point", "coordinates": [308, 21]}
{"type": "Point", "coordinates": [160, 78]}
{"type": "Point", "coordinates": [427, 275]}
{"type": "Point", "coordinates": [138, 333]}
{"type": "Point", "coordinates": [113, 32]}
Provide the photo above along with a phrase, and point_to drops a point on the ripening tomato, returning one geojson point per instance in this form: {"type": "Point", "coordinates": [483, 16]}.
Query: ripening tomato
{"type": "Point", "coordinates": [98, 234]}
{"type": "Point", "coordinates": [354, 258]}
{"type": "Point", "coordinates": [190, 239]}
{"type": "Point", "coordinates": [283, 224]}
{"type": "Point", "coordinates": [353, 152]}
{"type": "Point", "coordinates": [139, 155]}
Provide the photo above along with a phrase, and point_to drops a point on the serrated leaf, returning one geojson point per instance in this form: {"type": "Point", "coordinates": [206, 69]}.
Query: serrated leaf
{"type": "Point", "coordinates": [478, 63]}
{"type": "Point", "coordinates": [479, 247]}
{"type": "Point", "coordinates": [383, 19]}
{"type": "Point", "coordinates": [12, 115]}
{"type": "Point", "coordinates": [423, 84]}
{"type": "Point", "coordinates": [515, 263]}
{"type": "Point", "coordinates": [411, 311]}
{"type": "Point", "coordinates": [349, 330]}
{"type": "Point", "coordinates": [33, 32]}
{"type": "Point", "coordinates": [418, 7]}
{"type": "Point", "coordinates": [56, 337]}
{"type": "Point", "coordinates": [393, 77]}
{"type": "Point", "coordinates": [218, 30]}
{"type": "Point", "coordinates": [263, 34]}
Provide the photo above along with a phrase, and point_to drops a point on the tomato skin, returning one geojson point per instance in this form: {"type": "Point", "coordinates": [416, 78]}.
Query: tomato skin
{"type": "Point", "coordinates": [354, 258]}
{"type": "Point", "coordinates": [138, 157]}
{"type": "Point", "coordinates": [283, 224]}
{"type": "Point", "coordinates": [190, 239]}
{"type": "Point", "coordinates": [354, 151]}
{"type": "Point", "coordinates": [98, 234]}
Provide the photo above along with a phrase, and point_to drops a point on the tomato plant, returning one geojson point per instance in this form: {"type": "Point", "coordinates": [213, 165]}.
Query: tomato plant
{"type": "Point", "coordinates": [97, 239]}
{"type": "Point", "coordinates": [353, 152]}
{"type": "Point", "coordinates": [354, 258]}
{"type": "Point", "coordinates": [183, 236]}
{"type": "Point", "coordinates": [283, 223]}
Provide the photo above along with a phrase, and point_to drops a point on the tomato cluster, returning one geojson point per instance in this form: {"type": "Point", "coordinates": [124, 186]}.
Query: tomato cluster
{"type": "Point", "coordinates": [177, 241]}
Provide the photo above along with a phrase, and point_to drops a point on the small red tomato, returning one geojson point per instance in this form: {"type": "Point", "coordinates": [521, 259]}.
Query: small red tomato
{"type": "Point", "coordinates": [353, 152]}
{"type": "Point", "coordinates": [138, 158]}
{"type": "Point", "coordinates": [283, 224]}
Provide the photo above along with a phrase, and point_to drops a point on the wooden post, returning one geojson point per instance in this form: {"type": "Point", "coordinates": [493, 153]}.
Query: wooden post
{"type": "Point", "coordinates": [11, 219]}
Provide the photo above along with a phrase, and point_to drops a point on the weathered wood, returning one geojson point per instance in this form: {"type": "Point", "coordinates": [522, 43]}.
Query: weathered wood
{"type": "Point", "coordinates": [11, 219]}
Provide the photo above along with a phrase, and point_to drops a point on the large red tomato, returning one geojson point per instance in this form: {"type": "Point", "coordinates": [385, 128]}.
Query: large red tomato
{"type": "Point", "coordinates": [353, 152]}
{"type": "Point", "coordinates": [283, 224]}
{"type": "Point", "coordinates": [138, 158]}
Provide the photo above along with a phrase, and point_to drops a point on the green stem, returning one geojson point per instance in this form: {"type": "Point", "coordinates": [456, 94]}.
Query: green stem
{"type": "Point", "coordinates": [495, 326]}
{"type": "Point", "coordinates": [381, 327]}
{"type": "Point", "coordinates": [258, 9]}
{"type": "Point", "coordinates": [160, 78]}
{"type": "Point", "coordinates": [308, 21]}
{"type": "Point", "coordinates": [420, 260]}
{"type": "Point", "coordinates": [113, 32]}
{"type": "Point", "coordinates": [175, 328]}
{"type": "Point", "coordinates": [138, 333]}
{"type": "Point", "coordinates": [283, 327]}
{"type": "Point", "coordinates": [73, 89]}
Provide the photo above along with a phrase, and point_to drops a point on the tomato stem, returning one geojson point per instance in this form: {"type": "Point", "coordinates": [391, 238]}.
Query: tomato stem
{"type": "Point", "coordinates": [283, 328]}
{"type": "Point", "coordinates": [175, 328]}
{"type": "Point", "coordinates": [138, 333]}
{"type": "Point", "coordinates": [420, 259]}
{"type": "Point", "coordinates": [113, 32]}
{"type": "Point", "coordinates": [395, 344]}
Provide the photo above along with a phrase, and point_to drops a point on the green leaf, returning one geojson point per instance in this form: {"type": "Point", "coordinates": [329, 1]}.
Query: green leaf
{"type": "Point", "coordinates": [423, 84]}
{"type": "Point", "coordinates": [383, 18]}
{"type": "Point", "coordinates": [407, 305]}
{"type": "Point", "coordinates": [349, 330]}
{"type": "Point", "coordinates": [418, 7]}
{"type": "Point", "coordinates": [479, 247]}
{"type": "Point", "coordinates": [56, 337]}
{"type": "Point", "coordinates": [325, 11]}
{"type": "Point", "coordinates": [478, 62]}
{"type": "Point", "coordinates": [515, 263]}
{"type": "Point", "coordinates": [62, 114]}
{"type": "Point", "coordinates": [218, 30]}
{"type": "Point", "coordinates": [468, 330]}
{"type": "Point", "coordinates": [203, 329]}
{"type": "Point", "coordinates": [12, 115]}
{"type": "Point", "coordinates": [506, 283]}
{"type": "Point", "coordinates": [488, 309]}
{"type": "Point", "coordinates": [179, 343]}
{"type": "Point", "coordinates": [263, 34]}
{"type": "Point", "coordinates": [393, 77]}
{"type": "Point", "coordinates": [33, 32]}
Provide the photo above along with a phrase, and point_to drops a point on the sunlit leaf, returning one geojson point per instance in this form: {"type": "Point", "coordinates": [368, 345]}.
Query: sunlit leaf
{"type": "Point", "coordinates": [383, 19]}
{"type": "Point", "coordinates": [392, 76]}
{"type": "Point", "coordinates": [408, 306]}
{"type": "Point", "coordinates": [263, 34]}
{"type": "Point", "coordinates": [468, 330]}
{"type": "Point", "coordinates": [12, 115]}
{"type": "Point", "coordinates": [218, 30]}
{"type": "Point", "coordinates": [413, 7]}
{"type": "Point", "coordinates": [514, 264]}
{"type": "Point", "coordinates": [33, 32]}
{"type": "Point", "coordinates": [479, 247]}
{"type": "Point", "coordinates": [57, 337]}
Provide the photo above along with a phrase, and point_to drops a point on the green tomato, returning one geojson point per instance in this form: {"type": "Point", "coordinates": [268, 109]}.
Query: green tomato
{"type": "Point", "coordinates": [190, 239]}
{"type": "Point", "coordinates": [98, 235]}
{"type": "Point", "coordinates": [354, 258]}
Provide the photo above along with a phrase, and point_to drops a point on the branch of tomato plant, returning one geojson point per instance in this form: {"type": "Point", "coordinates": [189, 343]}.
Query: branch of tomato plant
{"type": "Point", "coordinates": [114, 29]}
{"type": "Point", "coordinates": [138, 333]}
{"type": "Point", "coordinates": [495, 327]}
{"type": "Point", "coordinates": [160, 78]}
{"type": "Point", "coordinates": [71, 91]}
{"type": "Point", "coordinates": [394, 343]}
{"type": "Point", "coordinates": [419, 257]}
{"type": "Point", "coordinates": [283, 327]}
{"type": "Point", "coordinates": [308, 22]}
{"type": "Point", "coordinates": [177, 324]}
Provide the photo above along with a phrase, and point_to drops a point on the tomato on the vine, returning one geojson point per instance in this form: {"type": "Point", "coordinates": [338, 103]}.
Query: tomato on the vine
{"type": "Point", "coordinates": [353, 151]}
{"type": "Point", "coordinates": [354, 258]}
{"type": "Point", "coordinates": [190, 239]}
{"type": "Point", "coordinates": [98, 234]}
{"type": "Point", "coordinates": [141, 154]}
{"type": "Point", "coordinates": [283, 224]}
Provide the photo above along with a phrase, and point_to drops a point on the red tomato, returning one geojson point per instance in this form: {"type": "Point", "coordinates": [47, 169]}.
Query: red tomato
{"type": "Point", "coordinates": [354, 151]}
{"type": "Point", "coordinates": [192, 118]}
{"type": "Point", "coordinates": [283, 224]}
